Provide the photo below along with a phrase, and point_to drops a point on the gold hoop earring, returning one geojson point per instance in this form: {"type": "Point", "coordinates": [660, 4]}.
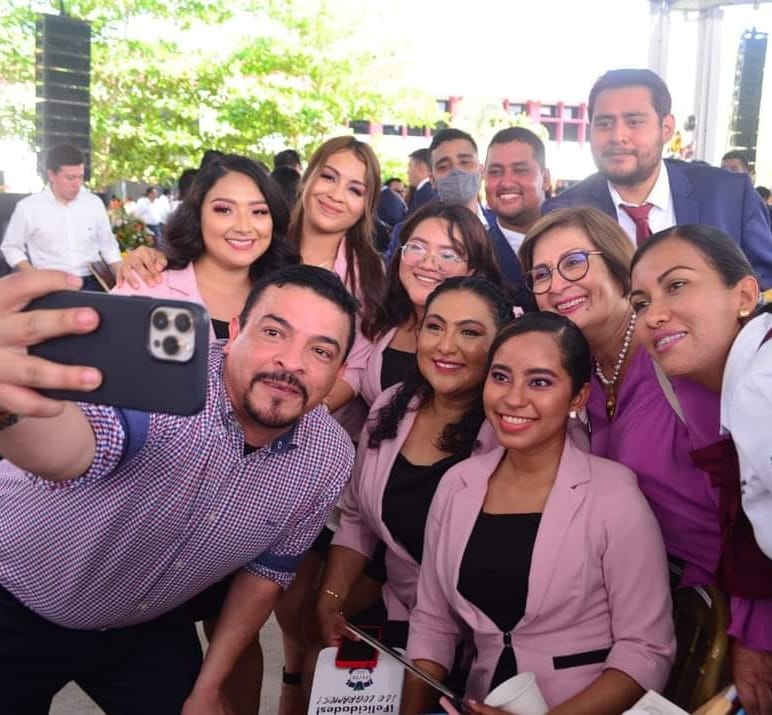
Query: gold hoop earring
{"type": "Point", "coordinates": [743, 313]}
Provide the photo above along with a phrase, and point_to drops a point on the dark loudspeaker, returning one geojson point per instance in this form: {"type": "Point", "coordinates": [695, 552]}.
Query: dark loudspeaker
{"type": "Point", "coordinates": [62, 79]}
{"type": "Point", "coordinates": [749, 79]}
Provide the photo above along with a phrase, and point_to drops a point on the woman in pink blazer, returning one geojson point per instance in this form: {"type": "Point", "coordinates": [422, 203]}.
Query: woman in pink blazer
{"type": "Point", "coordinates": [438, 241]}
{"type": "Point", "coordinates": [414, 433]}
{"type": "Point", "coordinates": [331, 226]}
{"type": "Point", "coordinates": [551, 557]}
{"type": "Point", "coordinates": [227, 233]}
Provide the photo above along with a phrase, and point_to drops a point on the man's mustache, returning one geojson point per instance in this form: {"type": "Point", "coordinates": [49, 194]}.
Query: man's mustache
{"type": "Point", "coordinates": [286, 377]}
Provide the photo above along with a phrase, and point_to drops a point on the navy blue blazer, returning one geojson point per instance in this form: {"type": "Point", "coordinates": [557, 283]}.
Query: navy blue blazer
{"type": "Point", "coordinates": [423, 196]}
{"type": "Point", "coordinates": [509, 265]}
{"type": "Point", "coordinates": [391, 208]}
{"type": "Point", "coordinates": [701, 194]}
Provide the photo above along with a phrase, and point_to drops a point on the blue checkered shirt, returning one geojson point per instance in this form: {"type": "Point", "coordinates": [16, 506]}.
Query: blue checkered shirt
{"type": "Point", "coordinates": [169, 506]}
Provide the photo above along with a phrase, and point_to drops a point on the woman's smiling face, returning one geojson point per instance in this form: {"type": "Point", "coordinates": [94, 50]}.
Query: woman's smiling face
{"type": "Point", "coordinates": [527, 394]}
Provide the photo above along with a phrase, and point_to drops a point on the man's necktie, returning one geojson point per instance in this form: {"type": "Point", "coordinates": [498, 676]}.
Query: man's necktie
{"type": "Point", "coordinates": [640, 215]}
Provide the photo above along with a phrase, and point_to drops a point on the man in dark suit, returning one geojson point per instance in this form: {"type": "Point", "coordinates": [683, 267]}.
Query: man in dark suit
{"type": "Point", "coordinates": [391, 207]}
{"type": "Point", "coordinates": [456, 174]}
{"type": "Point", "coordinates": [516, 179]}
{"type": "Point", "coordinates": [630, 123]}
{"type": "Point", "coordinates": [419, 174]}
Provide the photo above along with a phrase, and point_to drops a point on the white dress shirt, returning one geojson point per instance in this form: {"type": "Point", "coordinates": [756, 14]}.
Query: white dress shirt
{"type": "Point", "coordinates": [662, 214]}
{"type": "Point", "coordinates": [147, 211]}
{"type": "Point", "coordinates": [163, 208]}
{"type": "Point", "coordinates": [514, 238]}
{"type": "Point", "coordinates": [746, 413]}
{"type": "Point", "coordinates": [65, 237]}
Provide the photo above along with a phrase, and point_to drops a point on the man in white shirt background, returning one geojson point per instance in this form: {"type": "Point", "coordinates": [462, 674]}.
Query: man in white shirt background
{"type": "Point", "coordinates": [64, 226]}
{"type": "Point", "coordinates": [148, 211]}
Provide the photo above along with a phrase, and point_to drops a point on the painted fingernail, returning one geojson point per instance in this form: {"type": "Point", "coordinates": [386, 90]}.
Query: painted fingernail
{"type": "Point", "coordinates": [90, 376]}
{"type": "Point", "coordinates": [85, 318]}
{"type": "Point", "coordinates": [74, 281]}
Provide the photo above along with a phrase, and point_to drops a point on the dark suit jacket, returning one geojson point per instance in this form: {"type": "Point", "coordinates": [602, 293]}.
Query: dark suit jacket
{"type": "Point", "coordinates": [701, 194]}
{"type": "Point", "coordinates": [391, 208]}
{"type": "Point", "coordinates": [423, 196]}
{"type": "Point", "coordinates": [509, 265]}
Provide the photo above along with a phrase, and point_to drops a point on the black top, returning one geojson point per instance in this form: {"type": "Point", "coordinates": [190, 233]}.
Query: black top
{"type": "Point", "coordinates": [396, 364]}
{"type": "Point", "coordinates": [499, 586]}
{"type": "Point", "coordinates": [220, 328]}
{"type": "Point", "coordinates": [407, 497]}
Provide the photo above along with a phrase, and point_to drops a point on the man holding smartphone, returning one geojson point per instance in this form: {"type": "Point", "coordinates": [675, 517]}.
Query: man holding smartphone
{"type": "Point", "coordinates": [117, 527]}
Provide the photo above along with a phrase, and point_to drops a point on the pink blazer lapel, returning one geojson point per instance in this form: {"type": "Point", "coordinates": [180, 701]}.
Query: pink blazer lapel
{"type": "Point", "coordinates": [379, 476]}
{"type": "Point", "coordinates": [567, 495]}
{"type": "Point", "coordinates": [464, 510]}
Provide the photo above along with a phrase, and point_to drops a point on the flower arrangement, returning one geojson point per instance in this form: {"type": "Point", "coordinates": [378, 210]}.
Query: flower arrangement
{"type": "Point", "coordinates": [129, 231]}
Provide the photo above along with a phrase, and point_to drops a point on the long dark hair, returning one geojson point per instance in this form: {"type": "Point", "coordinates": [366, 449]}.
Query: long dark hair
{"type": "Point", "coordinates": [458, 437]}
{"type": "Point", "coordinates": [364, 274]}
{"type": "Point", "coordinates": [466, 235]}
{"type": "Point", "coordinates": [183, 240]}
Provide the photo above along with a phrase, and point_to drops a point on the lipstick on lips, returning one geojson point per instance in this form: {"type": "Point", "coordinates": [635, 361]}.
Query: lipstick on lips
{"type": "Point", "coordinates": [664, 341]}
{"type": "Point", "coordinates": [565, 307]}
{"type": "Point", "coordinates": [514, 423]}
{"type": "Point", "coordinates": [447, 367]}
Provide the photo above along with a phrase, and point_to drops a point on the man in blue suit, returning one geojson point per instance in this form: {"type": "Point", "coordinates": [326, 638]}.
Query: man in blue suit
{"type": "Point", "coordinates": [630, 123]}
{"type": "Point", "coordinates": [419, 175]}
{"type": "Point", "coordinates": [391, 207]}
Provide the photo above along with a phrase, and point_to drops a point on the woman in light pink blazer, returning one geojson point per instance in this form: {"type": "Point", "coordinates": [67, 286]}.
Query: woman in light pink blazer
{"type": "Point", "coordinates": [438, 241]}
{"type": "Point", "coordinates": [332, 226]}
{"type": "Point", "coordinates": [415, 431]}
{"type": "Point", "coordinates": [551, 557]}
{"type": "Point", "coordinates": [227, 234]}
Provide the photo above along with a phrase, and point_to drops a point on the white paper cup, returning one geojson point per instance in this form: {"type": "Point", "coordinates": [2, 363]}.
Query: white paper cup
{"type": "Point", "coordinates": [519, 695]}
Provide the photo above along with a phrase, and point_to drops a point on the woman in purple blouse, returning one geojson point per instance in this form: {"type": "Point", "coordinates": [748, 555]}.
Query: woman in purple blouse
{"type": "Point", "coordinates": [576, 261]}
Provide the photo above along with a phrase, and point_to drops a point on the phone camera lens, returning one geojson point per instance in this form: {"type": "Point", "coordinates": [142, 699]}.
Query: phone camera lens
{"type": "Point", "coordinates": [182, 322]}
{"type": "Point", "coordinates": [160, 320]}
{"type": "Point", "coordinates": [170, 345]}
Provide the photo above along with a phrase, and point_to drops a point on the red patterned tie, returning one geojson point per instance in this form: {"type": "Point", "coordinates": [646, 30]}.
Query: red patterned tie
{"type": "Point", "coordinates": [640, 215]}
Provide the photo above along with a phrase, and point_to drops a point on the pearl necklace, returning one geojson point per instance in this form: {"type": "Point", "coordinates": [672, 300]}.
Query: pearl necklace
{"type": "Point", "coordinates": [610, 382]}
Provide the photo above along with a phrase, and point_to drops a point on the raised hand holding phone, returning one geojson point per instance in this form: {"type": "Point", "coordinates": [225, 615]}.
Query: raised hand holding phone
{"type": "Point", "coordinates": [21, 374]}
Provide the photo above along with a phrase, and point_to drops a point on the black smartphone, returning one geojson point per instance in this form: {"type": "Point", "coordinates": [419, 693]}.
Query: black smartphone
{"type": "Point", "coordinates": [152, 352]}
{"type": "Point", "coordinates": [455, 699]}
{"type": "Point", "coordinates": [358, 654]}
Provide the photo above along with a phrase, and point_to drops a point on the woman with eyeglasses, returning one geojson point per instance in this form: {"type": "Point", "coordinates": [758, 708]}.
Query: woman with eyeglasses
{"type": "Point", "coordinates": [577, 262]}
{"type": "Point", "coordinates": [439, 241]}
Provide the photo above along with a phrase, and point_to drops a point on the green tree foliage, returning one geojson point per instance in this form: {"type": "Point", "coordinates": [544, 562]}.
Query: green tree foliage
{"type": "Point", "coordinates": [293, 79]}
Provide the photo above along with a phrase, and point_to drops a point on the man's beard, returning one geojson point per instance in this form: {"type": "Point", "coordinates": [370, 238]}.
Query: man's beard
{"type": "Point", "coordinates": [272, 416]}
{"type": "Point", "coordinates": [642, 172]}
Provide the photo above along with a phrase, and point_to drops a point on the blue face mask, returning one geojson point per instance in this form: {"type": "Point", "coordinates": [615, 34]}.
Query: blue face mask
{"type": "Point", "coordinates": [459, 187]}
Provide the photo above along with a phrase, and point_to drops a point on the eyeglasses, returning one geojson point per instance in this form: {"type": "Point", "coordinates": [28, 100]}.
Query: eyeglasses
{"type": "Point", "coordinates": [572, 266]}
{"type": "Point", "coordinates": [446, 259]}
